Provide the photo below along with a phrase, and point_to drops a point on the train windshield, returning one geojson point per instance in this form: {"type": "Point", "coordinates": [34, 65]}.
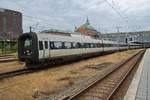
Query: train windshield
{"type": "Point", "coordinates": [27, 46]}
{"type": "Point", "coordinates": [27, 43]}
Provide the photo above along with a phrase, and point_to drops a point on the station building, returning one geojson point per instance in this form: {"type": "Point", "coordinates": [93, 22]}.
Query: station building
{"type": "Point", "coordinates": [142, 37]}
{"type": "Point", "coordinates": [10, 24]}
{"type": "Point", "coordinates": [84, 30]}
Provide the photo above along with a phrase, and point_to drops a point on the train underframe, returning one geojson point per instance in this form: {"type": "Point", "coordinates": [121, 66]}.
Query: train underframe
{"type": "Point", "coordinates": [65, 59]}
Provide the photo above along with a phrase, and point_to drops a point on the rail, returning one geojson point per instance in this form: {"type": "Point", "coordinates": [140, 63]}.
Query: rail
{"type": "Point", "coordinates": [114, 85]}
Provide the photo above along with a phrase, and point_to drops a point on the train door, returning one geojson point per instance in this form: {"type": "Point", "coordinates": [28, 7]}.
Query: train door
{"type": "Point", "coordinates": [46, 49]}
{"type": "Point", "coordinates": [41, 49]}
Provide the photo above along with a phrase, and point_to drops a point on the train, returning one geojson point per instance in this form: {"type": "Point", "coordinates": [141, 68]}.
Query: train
{"type": "Point", "coordinates": [40, 48]}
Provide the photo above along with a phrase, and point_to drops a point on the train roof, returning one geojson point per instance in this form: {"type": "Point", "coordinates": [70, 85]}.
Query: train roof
{"type": "Point", "coordinates": [71, 38]}
{"type": "Point", "coordinates": [134, 44]}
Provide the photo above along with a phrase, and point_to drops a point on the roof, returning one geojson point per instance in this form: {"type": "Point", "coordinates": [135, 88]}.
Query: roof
{"type": "Point", "coordinates": [59, 32]}
{"type": "Point", "coordinates": [87, 25]}
{"type": "Point", "coordinates": [56, 31]}
{"type": "Point", "coordinates": [5, 10]}
{"type": "Point", "coordinates": [2, 10]}
{"type": "Point", "coordinates": [72, 38]}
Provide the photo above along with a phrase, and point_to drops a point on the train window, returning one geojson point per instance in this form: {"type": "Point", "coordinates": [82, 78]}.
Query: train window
{"type": "Point", "coordinates": [63, 45]}
{"type": "Point", "coordinates": [27, 43]}
{"type": "Point", "coordinates": [58, 45]}
{"type": "Point", "coordinates": [110, 45]}
{"type": "Point", "coordinates": [46, 44]}
{"type": "Point", "coordinates": [27, 46]}
{"type": "Point", "coordinates": [95, 45]}
{"type": "Point", "coordinates": [73, 45]}
{"type": "Point", "coordinates": [51, 45]}
{"type": "Point", "coordinates": [89, 44]}
{"type": "Point", "coordinates": [99, 45]}
{"type": "Point", "coordinates": [78, 45]}
{"type": "Point", "coordinates": [67, 45]}
{"type": "Point", "coordinates": [83, 45]}
{"type": "Point", "coordinates": [86, 45]}
{"type": "Point", "coordinates": [105, 45]}
{"type": "Point", "coordinates": [92, 45]}
{"type": "Point", "coordinates": [40, 45]}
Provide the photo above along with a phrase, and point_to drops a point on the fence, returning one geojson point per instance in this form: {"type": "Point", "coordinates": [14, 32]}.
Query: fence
{"type": "Point", "coordinates": [8, 47]}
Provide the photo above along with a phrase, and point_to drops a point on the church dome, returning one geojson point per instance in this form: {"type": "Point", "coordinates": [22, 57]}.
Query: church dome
{"type": "Point", "coordinates": [87, 29]}
{"type": "Point", "coordinates": [87, 25]}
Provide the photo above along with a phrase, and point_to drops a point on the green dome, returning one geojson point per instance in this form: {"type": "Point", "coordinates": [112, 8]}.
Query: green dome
{"type": "Point", "coordinates": [87, 25]}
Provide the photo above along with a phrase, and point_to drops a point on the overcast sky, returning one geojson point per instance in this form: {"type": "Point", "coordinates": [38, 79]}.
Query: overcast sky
{"type": "Point", "coordinates": [130, 15]}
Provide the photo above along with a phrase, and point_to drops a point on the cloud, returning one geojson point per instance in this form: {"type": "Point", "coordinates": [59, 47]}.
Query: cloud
{"type": "Point", "coordinates": [66, 14]}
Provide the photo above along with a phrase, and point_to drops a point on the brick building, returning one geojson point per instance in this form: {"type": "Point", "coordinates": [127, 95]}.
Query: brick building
{"type": "Point", "coordinates": [10, 24]}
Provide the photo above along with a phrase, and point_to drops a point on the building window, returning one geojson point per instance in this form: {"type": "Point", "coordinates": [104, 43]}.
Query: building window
{"type": "Point", "coordinates": [4, 25]}
{"type": "Point", "coordinates": [14, 24]}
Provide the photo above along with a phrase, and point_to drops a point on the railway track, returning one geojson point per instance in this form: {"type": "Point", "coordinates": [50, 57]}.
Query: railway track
{"type": "Point", "coordinates": [15, 73]}
{"type": "Point", "coordinates": [7, 58]}
{"type": "Point", "coordinates": [104, 87]}
{"type": "Point", "coordinates": [22, 71]}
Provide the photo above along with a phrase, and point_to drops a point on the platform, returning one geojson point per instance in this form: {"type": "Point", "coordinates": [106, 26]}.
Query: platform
{"type": "Point", "coordinates": [139, 88]}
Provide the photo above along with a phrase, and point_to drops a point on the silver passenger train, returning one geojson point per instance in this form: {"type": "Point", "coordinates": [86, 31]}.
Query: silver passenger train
{"type": "Point", "coordinates": [36, 48]}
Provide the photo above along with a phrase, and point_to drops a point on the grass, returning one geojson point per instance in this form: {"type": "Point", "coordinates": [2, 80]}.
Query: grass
{"type": "Point", "coordinates": [56, 79]}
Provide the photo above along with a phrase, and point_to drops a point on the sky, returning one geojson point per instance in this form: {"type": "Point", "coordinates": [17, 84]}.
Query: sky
{"type": "Point", "coordinates": [104, 15]}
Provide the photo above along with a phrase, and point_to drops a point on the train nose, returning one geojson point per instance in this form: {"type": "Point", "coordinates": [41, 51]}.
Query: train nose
{"type": "Point", "coordinates": [28, 47]}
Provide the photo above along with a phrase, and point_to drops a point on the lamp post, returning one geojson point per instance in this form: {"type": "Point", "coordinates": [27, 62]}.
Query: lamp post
{"type": "Point", "coordinates": [101, 37]}
{"type": "Point", "coordinates": [9, 40]}
{"type": "Point", "coordinates": [4, 45]}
